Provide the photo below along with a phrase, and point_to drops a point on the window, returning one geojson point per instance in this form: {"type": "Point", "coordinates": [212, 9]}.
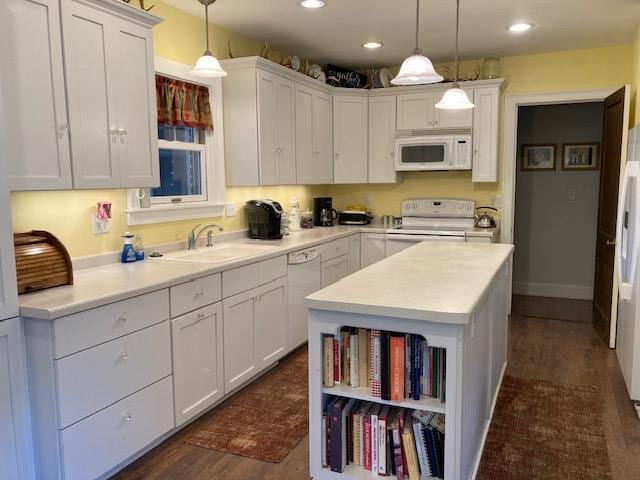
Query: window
{"type": "Point", "coordinates": [190, 152]}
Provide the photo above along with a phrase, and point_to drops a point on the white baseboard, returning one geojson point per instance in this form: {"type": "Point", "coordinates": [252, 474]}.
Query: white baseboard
{"type": "Point", "coordinates": [552, 290]}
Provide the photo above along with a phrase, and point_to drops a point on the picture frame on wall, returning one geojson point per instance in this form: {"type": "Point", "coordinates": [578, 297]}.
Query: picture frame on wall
{"type": "Point", "coordinates": [538, 158]}
{"type": "Point", "coordinates": [581, 156]}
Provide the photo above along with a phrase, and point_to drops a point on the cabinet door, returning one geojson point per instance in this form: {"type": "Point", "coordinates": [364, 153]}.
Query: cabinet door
{"type": "Point", "coordinates": [136, 95]}
{"type": "Point", "coordinates": [350, 134]}
{"type": "Point", "coordinates": [91, 80]}
{"type": "Point", "coordinates": [354, 253]}
{"type": "Point", "coordinates": [285, 132]}
{"type": "Point", "coordinates": [372, 248]}
{"type": "Point", "coordinates": [485, 134]}
{"type": "Point", "coordinates": [415, 111]}
{"type": "Point", "coordinates": [267, 127]}
{"type": "Point", "coordinates": [335, 269]}
{"type": "Point", "coordinates": [238, 338]}
{"type": "Point", "coordinates": [33, 91]}
{"type": "Point", "coordinates": [323, 138]}
{"type": "Point", "coordinates": [453, 118]}
{"type": "Point", "coordinates": [270, 324]}
{"type": "Point", "coordinates": [305, 149]}
{"type": "Point", "coordinates": [15, 454]}
{"type": "Point", "coordinates": [197, 361]}
{"type": "Point", "coordinates": [382, 131]}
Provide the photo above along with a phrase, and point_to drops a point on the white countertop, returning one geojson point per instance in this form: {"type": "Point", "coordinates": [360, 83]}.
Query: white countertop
{"type": "Point", "coordinates": [94, 287]}
{"type": "Point", "coordinates": [433, 281]}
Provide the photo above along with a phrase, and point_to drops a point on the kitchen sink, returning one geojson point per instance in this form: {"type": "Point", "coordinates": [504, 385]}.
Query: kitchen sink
{"type": "Point", "coordinates": [219, 253]}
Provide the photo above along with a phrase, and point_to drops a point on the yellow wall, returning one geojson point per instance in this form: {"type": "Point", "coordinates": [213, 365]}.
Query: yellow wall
{"type": "Point", "coordinates": [179, 37]}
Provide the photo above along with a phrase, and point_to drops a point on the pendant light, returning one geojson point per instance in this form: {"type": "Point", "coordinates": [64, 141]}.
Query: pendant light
{"type": "Point", "coordinates": [455, 98]}
{"type": "Point", "coordinates": [207, 65]}
{"type": "Point", "coordinates": [417, 69]}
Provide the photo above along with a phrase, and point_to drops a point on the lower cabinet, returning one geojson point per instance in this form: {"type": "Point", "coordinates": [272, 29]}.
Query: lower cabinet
{"type": "Point", "coordinates": [354, 253]}
{"type": "Point", "coordinates": [372, 248]}
{"type": "Point", "coordinates": [255, 331]}
{"type": "Point", "coordinates": [335, 269]}
{"type": "Point", "coordinates": [197, 361]}
{"type": "Point", "coordinates": [15, 439]}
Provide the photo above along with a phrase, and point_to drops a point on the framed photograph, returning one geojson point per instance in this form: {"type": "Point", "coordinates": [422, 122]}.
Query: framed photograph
{"type": "Point", "coordinates": [538, 157]}
{"type": "Point", "coordinates": [580, 156]}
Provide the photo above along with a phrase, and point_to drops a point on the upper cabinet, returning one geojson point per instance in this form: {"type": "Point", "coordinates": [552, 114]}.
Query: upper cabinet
{"type": "Point", "coordinates": [103, 126]}
{"type": "Point", "coordinates": [350, 138]}
{"type": "Point", "coordinates": [314, 136]}
{"type": "Point", "coordinates": [417, 111]}
{"type": "Point", "coordinates": [382, 132]}
{"type": "Point", "coordinates": [485, 134]}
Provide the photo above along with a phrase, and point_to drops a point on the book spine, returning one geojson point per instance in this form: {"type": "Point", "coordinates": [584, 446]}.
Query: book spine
{"type": "Point", "coordinates": [382, 446]}
{"type": "Point", "coordinates": [361, 440]}
{"type": "Point", "coordinates": [363, 364]}
{"type": "Point", "coordinates": [385, 383]}
{"type": "Point", "coordinates": [407, 365]}
{"type": "Point", "coordinates": [353, 361]}
{"type": "Point", "coordinates": [374, 442]}
{"type": "Point", "coordinates": [397, 367]}
{"type": "Point", "coordinates": [397, 454]}
{"type": "Point", "coordinates": [323, 445]}
{"type": "Point", "coordinates": [416, 366]}
{"type": "Point", "coordinates": [425, 367]}
{"type": "Point", "coordinates": [375, 364]}
{"type": "Point", "coordinates": [344, 356]}
{"type": "Point", "coordinates": [328, 361]}
{"type": "Point", "coordinates": [425, 471]}
{"type": "Point", "coordinates": [336, 360]}
{"type": "Point", "coordinates": [409, 448]}
{"type": "Point", "coordinates": [367, 443]}
{"type": "Point", "coordinates": [335, 436]}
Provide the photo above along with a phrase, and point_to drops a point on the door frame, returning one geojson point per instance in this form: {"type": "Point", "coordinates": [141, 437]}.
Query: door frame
{"type": "Point", "coordinates": [512, 103]}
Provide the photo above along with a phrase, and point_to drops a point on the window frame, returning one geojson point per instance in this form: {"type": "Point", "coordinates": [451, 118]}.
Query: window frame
{"type": "Point", "coordinates": [189, 147]}
{"type": "Point", "coordinates": [214, 202]}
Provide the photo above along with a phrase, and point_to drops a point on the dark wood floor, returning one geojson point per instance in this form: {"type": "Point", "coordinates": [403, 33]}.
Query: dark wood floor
{"type": "Point", "coordinates": [560, 351]}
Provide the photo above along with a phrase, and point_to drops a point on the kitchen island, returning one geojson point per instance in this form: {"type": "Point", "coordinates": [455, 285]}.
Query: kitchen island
{"type": "Point", "coordinates": [456, 297]}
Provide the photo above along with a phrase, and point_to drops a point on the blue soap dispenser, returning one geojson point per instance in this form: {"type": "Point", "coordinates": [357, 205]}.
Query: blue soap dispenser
{"type": "Point", "coordinates": [128, 252]}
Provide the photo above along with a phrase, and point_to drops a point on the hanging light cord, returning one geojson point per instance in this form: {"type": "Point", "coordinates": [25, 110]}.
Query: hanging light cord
{"type": "Point", "coordinates": [455, 83]}
{"type": "Point", "coordinates": [206, 4]}
{"type": "Point", "coordinates": [417, 49]}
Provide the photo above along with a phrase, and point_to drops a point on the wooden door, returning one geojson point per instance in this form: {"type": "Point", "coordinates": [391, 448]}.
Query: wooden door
{"type": "Point", "coordinates": [133, 65]}
{"type": "Point", "coordinates": [91, 79]}
{"type": "Point", "coordinates": [238, 339]}
{"type": "Point", "coordinates": [382, 131]}
{"type": "Point", "coordinates": [604, 294]}
{"type": "Point", "coordinates": [197, 361]}
{"type": "Point", "coordinates": [322, 138]}
{"type": "Point", "coordinates": [285, 132]}
{"type": "Point", "coordinates": [350, 134]}
{"type": "Point", "coordinates": [485, 134]}
{"type": "Point", "coordinates": [271, 323]}
{"type": "Point", "coordinates": [305, 152]}
{"type": "Point", "coordinates": [267, 127]}
{"type": "Point", "coordinates": [33, 91]}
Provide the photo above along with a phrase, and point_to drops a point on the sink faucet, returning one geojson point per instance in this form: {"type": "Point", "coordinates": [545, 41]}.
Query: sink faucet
{"type": "Point", "coordinates": [192, 239]}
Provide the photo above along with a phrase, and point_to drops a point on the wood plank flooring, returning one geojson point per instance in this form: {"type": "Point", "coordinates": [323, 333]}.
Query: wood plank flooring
{"type": "Point", "coordinates": [558, 351]}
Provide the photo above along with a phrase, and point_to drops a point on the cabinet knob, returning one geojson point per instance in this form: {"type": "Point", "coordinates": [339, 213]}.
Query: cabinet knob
{"type": "Point", "coordinates": [122, 320]}
{"type": "Point", "coordinates": [124, 355]}
{"type": "Point", "coordinates": [63, 129]}
{"type": "Point", "coordinates": [436, 123]}
{"type": "Point", "coordinates": [201, 316]}
{"type": "Point", "coordinates": [430, 123]}
{"type": "Point", "coordinates": [127, 417]}
{"type": "Point", "coordinates": [122, 132]}
{"type": "Point", "coordinates": [199, 294]}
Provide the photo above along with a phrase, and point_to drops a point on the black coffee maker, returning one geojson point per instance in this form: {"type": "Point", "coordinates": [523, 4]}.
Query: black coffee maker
{"type": "Point", "coordinates": [264, 218]}
{"type": "Point", "coordinates": [323, 212]}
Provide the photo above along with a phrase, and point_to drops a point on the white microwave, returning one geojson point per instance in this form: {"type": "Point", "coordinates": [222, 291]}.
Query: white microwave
{"type": "Point", "coordinates": [433, 152]}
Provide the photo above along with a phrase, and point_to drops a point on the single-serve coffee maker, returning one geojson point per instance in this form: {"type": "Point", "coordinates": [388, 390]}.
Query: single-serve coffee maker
{"type": "Point", "coordinates": [323, 212]}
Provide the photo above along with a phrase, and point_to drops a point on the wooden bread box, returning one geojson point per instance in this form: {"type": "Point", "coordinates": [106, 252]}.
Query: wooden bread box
{"type": "Point", "coordinates": [42, 261]}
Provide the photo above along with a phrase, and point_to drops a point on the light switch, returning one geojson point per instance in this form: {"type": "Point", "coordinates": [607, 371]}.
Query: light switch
{"type": "Point", "coordinates": [572, 195]}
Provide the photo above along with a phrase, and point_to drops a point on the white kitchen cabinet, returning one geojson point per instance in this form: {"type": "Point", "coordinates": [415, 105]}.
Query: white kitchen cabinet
{"type": "Point", "coordinates": [33, 95]}
{"type": "Point", "coordinates": [372, 248]}
{"type": "Point", "coordinates": [314, 136]}
{"type": "Point", "coordinates": [485, 134]}
{"type": "Point", "coordinates": [417, 111]}
{"type": "Point", "coordinates": [335, 269]}
{"type": "Point", "coordinates": [382, 132]}
{"type": "Point", "coordinates": [111, 94]}
{"type": "Point", "coordinates": [350, 139]}
{"type": "Point", "coordinates": [354, 253]}
{"type": "Point", "coordinates": [254, 333]}
{"type": "Point", "coordinates": [197, 361]}
{"type": "Point", "coordinates": [15, 434]}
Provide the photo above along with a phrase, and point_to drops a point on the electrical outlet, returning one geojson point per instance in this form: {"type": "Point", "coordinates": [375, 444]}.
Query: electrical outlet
{"type": "Point", "coordinates": [99, 227]}
{"type": "Point", "coordinates": [230, 210]}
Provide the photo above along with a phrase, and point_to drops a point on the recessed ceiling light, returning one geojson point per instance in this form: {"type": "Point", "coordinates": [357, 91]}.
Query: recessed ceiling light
{"type": "Point", "coordinates": [312, 3]}
{"type": "Point", "coordinates": [372, 45]}
{"type": "Point", "coordinates": [520, 27]}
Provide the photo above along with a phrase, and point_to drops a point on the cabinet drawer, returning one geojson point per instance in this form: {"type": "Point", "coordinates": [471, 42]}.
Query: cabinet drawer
{"type": "Point", "coordinates": [86, 329]}
{"type": "Point", "coordinates": [250, 276]}
{"type": "Point", "coordinates": [95, 445]}
{"type": "Point", "coordinates": [95, 378]}
{"type": "Point", "coordinates": [334, 249]}
{"type": "Point", "coordinates": [195, 294]}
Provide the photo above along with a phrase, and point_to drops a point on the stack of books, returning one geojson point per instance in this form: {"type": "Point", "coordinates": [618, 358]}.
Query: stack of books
{"type": "Point", "coordinates": [395, 366]}
{"type": "Point", "coordinates": [388, 441]}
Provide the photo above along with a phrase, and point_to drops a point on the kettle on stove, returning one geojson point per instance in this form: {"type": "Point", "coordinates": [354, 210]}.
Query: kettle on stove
{"type": "Point", "coordinates": [483, 219]}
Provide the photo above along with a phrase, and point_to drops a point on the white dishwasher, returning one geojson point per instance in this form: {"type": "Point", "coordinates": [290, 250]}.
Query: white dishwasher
{"type": "Point", "coordinates": [304, 278]}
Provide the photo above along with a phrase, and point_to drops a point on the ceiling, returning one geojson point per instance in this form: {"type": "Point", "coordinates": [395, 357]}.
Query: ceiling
{"type": "Point", "coordinates": [334, 34]}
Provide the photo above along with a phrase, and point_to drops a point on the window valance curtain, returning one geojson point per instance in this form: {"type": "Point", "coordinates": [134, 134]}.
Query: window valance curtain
{"type": "Point", "coordinates": [183, 104]}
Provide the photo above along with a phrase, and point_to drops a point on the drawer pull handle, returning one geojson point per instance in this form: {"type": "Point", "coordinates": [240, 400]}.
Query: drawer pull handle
{"type": "Point", "coordinates": [122, 320]}
{"type": "Point", "coordinates": [201, 316]}
{"type": "Point", "coordinates": [127, 417]}
{"type": "Point", "coordinates": [124, 355]}
{"type": "Point", "coordinates": [199, 294]}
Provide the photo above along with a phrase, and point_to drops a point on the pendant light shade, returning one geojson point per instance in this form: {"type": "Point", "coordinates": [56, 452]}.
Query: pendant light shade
{"type": "Point", "coordinates": [207, 65]}
{"type": "Point", "coordinates": [417, 69]}
{"type": "Point", "coordinates": [455, 98]}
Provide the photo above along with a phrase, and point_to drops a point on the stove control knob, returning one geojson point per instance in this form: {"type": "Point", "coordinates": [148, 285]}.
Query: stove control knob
{"type": "Point", "coordinates": [415, 205]}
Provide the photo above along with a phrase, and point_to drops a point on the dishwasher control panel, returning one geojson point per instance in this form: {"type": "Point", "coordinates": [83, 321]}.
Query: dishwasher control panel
{"type": "Point", "coordinates": [303, 257]}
